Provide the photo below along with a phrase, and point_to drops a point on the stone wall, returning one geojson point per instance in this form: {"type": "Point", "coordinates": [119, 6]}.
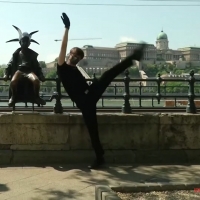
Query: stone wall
{"type": "Point", "coordinates": [136, 137]}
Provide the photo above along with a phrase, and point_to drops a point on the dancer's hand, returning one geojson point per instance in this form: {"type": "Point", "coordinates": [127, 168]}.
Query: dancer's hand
{"type": "Point", "coordinates": [139, 52]}
{"type": "Point", "coordinates": [65, 20]}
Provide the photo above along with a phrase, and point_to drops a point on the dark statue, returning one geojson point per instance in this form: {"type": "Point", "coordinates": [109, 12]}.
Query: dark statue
{"type": "Point", "coordinates": [24, 67]}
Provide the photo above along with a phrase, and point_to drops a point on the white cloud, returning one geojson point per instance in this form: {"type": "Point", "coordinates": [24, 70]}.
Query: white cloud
{"type": "Point", "coordinates": [127, 39]}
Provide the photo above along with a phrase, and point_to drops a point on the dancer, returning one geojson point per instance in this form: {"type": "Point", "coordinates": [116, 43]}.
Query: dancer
{"type": "Point", "coordinates": [86, 96]}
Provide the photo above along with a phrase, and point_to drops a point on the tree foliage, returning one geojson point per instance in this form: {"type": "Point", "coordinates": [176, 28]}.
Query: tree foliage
{"type": "Point", "coordinates": [42, 64]}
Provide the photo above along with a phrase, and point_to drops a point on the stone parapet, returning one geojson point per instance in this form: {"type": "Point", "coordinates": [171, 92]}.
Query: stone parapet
{"type": "Point", "coordinates": [138, 137]}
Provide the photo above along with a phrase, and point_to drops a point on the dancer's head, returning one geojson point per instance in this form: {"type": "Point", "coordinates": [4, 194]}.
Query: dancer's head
{"type": "Point", "coordinates": [76, 54]}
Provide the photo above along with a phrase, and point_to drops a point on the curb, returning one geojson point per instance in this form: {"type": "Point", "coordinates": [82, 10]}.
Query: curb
{"type": "Point", "coordinates": [103, 192]}
{"type": "Point", "coordinates": [148, 187]}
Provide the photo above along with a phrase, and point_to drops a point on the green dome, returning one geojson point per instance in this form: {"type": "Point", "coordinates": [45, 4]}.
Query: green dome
{"type": "Point", "coordinates": [162, 35]}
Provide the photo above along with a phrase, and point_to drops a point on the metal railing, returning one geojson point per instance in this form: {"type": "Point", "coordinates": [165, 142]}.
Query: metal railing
{"type": "Point", "coordinates": [159, 93]}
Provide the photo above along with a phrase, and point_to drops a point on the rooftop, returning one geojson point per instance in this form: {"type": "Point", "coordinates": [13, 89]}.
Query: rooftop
{"type": "Point", "coordinates": [94, 47]}
{"type": "Point", "coordinates": [162, 36]}
{"type": "Point", "coordinates": [189, 48]}
{"type": "Point", "coordinates": [122, 44]}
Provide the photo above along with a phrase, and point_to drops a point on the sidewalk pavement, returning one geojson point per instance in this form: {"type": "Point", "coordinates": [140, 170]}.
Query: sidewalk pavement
{"type": "Point", "coordinates": [76, 182]}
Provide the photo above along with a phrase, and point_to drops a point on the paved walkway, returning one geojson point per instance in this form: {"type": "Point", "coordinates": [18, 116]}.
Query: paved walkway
{"type": "Point", "coordinates": [77, 182]}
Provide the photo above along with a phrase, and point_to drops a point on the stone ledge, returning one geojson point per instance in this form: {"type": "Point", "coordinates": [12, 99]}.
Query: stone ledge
{"type": "Point", "coordinates": [109, 196]}
{"type": "Point", "coordinates": [156, 132]}
{"type": "Point", "coordinates": [34, 118]}
{"type": "Point", "coordinates": [5, 157]}
{"type": "Point", "coordinates": [103, 192]}
{"type": "Point", "coordinates": [52, 157]}
{"type": "Point", "coordinates": [111, 157]}
{"type": "Point", "coordinates": [36, 147]}
{"type": "Point", "coordinates": [148, 187]}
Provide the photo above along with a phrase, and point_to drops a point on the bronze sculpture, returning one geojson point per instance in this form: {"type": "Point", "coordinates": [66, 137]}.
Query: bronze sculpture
{"type": "Point", "coordinates": [24, 66]}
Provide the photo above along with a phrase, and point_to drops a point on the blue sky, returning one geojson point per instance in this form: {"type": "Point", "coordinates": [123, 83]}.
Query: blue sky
{"type": "Point", "coordinates": [112, 24]}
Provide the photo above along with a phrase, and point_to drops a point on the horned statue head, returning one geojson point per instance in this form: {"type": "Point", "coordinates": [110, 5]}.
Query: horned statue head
{"type": "Point", "coordinates": [23, 35]}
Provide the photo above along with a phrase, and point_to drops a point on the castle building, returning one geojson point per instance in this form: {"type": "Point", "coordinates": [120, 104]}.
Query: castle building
{"type": "Point", "coordinates": [99, 59]}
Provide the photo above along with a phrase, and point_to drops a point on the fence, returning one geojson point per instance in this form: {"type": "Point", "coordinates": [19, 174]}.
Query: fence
{"type": "Point", "coordinates": [158, 92]}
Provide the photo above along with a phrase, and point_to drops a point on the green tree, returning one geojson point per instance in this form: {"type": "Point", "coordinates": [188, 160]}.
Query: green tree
{"type": "Point", "coordinates": [134, 72]}
{"type": "Point", "coordinates": [176, 87]}
{"type": "Point", "coordinates": [42, 64]}
{"type": "Point", "coordinates": [110, 90]}
{"type": "Point", "coordinates": [170, 67]}
{"type": "Point", "coordinates": [3, 66]}
{"type": "Point", "coordinates": [1, 72]}
{"type": "Point", "coordinates": [51, 74]}
{"type": "Point", "coordinates": [151, 70]}
{"type": "Point", "coordinates": [179, 72]}
{"type": "Point", "coordinates": [50, 84]}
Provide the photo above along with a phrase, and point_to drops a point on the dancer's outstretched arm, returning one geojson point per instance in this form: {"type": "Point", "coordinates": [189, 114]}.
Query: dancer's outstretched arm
{"type": "Point", "coordinates": [63, 49]}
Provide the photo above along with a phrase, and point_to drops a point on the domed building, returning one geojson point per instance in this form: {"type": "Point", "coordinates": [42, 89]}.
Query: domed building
{"type": "Point", "coordinates": [162, 41]}
{"type": "Point", "coordinates": [162, 35]}
{"type": "Point", "coordinates": [164, 53]}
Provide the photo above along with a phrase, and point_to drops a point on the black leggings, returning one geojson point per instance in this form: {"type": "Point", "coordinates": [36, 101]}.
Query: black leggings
{"type": "Point", "coordinates": [88, 104]}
